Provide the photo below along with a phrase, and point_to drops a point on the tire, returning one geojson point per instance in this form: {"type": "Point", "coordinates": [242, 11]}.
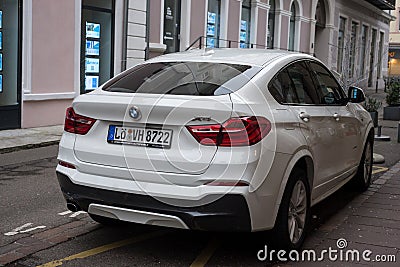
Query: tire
{"type": "Point", "coordinates": [362, 180]}
{"type": "Point", "coordinates": [290, 219]}
{"type": "Point", "coordinates": [106, 221]}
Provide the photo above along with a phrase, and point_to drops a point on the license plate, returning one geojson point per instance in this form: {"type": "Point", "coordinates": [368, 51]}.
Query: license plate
{"type": "Point", "coordinates": [136, 136]}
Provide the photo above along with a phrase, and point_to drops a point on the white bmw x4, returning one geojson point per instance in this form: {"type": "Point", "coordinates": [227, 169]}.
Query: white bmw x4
{"type": "Point", "coordinates": [220, 140]}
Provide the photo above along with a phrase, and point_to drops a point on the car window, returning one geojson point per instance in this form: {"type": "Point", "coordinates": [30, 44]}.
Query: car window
{"type": "Point", "coordinates": [185, 78]}
{"type": "Point", "coordinates": [328, 89]}
{"type": "Point", "coordinates": [303, 83]}
{"type": "Point", "coordinates": [282, 89]}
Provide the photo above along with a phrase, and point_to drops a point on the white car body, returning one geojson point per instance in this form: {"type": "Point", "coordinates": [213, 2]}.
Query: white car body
{"type": "Point", "coordinates": [328, 143]}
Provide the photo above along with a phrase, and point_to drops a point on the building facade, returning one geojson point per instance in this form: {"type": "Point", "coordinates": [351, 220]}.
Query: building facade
{"type": "Point", "coordinates": [394, 43]}
{"type": "Point", "coordinates": [48, 60]}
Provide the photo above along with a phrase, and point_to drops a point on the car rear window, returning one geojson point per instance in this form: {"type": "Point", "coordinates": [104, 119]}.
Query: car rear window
{"type": "Point", "coordinates": [184, 78]}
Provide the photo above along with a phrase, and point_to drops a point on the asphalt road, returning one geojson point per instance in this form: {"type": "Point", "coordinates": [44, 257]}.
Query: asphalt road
{"type": "Point", "coordinates": [30, 198]}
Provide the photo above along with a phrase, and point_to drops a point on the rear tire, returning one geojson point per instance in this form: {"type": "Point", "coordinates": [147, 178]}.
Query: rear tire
{"type": "Point", "coordinates": [293, 216]}
{"type": "Point", "coordinates": [362, 180]}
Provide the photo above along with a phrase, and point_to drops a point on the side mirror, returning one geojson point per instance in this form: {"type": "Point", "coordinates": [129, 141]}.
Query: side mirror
{"type": "Point", "coordinates": [356, 95]}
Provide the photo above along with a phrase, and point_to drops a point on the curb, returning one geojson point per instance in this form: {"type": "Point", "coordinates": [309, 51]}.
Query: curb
{"type": "Point", "coordinates": [28, 146]}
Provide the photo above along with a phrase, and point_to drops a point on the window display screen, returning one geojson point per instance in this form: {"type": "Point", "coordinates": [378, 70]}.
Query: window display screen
{"type": "Point", "coordinates": [1, 83]}
{"type": "Point", "coordinates": [91, 82]}
{"type": "Point", "coordinates": [92, 65]}
{"type": "Point", "coordinates": [92, 48]}
{"type": "Point", "coordinates": [92, 30]}
{"type": "Point", "coordinates": [1, 19]}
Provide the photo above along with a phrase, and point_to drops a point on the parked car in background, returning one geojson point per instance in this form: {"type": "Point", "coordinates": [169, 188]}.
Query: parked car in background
{"type": "Point", "coordinates": [221, 140]}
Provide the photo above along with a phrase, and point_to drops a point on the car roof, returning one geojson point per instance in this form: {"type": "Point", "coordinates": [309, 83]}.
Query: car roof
{"type": "Point", "coordinates": [252, 57]}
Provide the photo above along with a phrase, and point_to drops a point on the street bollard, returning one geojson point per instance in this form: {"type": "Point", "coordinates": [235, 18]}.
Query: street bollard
{"type": "Point", "coordinates": [379, 130]}
{"type": "Point", "coordinates": [398, 133]}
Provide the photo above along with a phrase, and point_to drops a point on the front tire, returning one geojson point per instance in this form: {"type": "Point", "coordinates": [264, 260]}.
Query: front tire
{"type": "Point", "coordinates": [362, 180]}
{"type": "Point", "coordinates": [292, 221]}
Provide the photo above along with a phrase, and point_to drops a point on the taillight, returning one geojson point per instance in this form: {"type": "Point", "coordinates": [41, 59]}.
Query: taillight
{"type": "Point", "coordinates": [243, 131]}
{"type": "Point", "coordinates": [77, 124]}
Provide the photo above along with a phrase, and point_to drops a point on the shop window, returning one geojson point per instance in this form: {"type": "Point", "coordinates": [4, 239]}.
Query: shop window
{"type": "Point", "coordinates": [245, 24]}
{"type": "Point", "coordinates": [213, 23]}
{"type": "Point", "coordinates": [10, 64]}
{"type": "Point", "coordinates": [97, 38]}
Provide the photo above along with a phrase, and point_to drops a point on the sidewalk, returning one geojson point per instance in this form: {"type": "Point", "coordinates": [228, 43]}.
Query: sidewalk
{"type": "Point", "coordinates": [13, 140]}
{"type": "Point", "coordinates": [371, 221]}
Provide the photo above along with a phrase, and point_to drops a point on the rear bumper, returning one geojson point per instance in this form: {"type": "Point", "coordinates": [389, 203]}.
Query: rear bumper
{"type": "Point", "coordinates": [227, 213]}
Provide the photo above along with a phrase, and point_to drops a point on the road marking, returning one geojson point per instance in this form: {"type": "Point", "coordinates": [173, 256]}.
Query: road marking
{"type": "Point", "coordinates": [377, 169]}
{"type": "Point", "coordinates": [206, 253]}
{"type": "Point", "coordinates": [105, 248]}
{"type": "Point", "coordinates": [65, 213]}
{"type": "Point", "coordinates": [19, 230]}
{"type": "Point", "coordinates": [76, 214]}
{"type": "Point", "coordinates": [32, 229]}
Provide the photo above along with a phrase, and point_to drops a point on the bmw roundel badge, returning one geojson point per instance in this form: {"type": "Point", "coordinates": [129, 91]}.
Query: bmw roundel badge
{"type": "Point", "coordinates": [134, 112]}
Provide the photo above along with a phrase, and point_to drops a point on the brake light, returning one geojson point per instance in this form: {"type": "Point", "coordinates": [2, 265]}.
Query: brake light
{"type": "Point", "coordinates": [243, 131]}
{"type": "Point", "coordinates": [77, 124]}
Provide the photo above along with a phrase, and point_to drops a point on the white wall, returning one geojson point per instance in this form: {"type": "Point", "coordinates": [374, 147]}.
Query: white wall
{"type": "Point", "coordinates": [136, 32]}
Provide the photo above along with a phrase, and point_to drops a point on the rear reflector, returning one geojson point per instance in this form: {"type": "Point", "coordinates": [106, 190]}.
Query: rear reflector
{"type": "Point", "coordinates": [77, 124]}
{"type": "Point", "coordinates": [227, 183]}
{"type": "Point", "coordinates": [66, 164]}
{"type": "Point", "coordinates": [243, 131]}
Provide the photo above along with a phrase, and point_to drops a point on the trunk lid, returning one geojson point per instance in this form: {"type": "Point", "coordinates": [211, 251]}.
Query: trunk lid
{"type": "Point", "coordinates": [158, 112]}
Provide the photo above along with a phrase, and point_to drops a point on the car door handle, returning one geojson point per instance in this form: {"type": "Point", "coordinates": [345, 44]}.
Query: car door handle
{"type": "Point", "coordinates": [304, 116]}
{"type": "Point", "coordinates": [336, 116]}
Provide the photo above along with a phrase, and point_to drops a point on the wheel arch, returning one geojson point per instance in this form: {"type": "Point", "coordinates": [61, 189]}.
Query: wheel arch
{"type": "Point", "coordinates": [302, 159]}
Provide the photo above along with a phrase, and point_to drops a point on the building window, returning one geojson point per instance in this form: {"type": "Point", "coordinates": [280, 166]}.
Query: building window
{"type": "Point", "coordinates": [353, 45]}
{"type": "Point", "coordinates": [10, 64]}
{"type": "Point", "coordinates": [245, 24]}
{"type": "Point", "coordinates": [364, 34]}
{"type": "Point", "coordinates": [213, 23]}
{"type": "Point", "coordinates": [372, 57]}
{"type": "Point", "coordinates": [292, 28]}
{"type": "Point", "coordinates": [97, 39]}
{"type": "Point", "coordinates": [341, 36]}
{"type": "Point", "coordinates": [271, 25]}
{"type": "Point", "coordinates": [380, 55]}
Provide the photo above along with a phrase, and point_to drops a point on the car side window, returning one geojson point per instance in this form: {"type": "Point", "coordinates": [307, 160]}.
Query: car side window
{"type": "Point", "coordinates": [329, 91]}
{"type": "Point", "coordinates": [303, 83]}
{"type": "Point", "coordinates": [282, 88]}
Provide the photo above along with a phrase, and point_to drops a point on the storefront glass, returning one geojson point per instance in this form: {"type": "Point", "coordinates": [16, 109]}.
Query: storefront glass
{"type": "Point", "coordinates": [97, 43]}
{"type": "Point", "coordinates": [10, 64]}
{"type": "Point", "coordinates": [213, 23]}
{"type": "Point", "coordinates": [245, 24]}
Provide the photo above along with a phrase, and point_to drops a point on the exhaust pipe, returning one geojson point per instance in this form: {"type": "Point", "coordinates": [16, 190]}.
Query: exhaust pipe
{"type": "Point", "coordinates": [73, 207]}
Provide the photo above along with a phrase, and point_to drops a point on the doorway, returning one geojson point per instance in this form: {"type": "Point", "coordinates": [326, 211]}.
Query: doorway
{"type": "Point", "coordinates": [322, 33]}
{"type": "Point", "coordinates": [172, 25]}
